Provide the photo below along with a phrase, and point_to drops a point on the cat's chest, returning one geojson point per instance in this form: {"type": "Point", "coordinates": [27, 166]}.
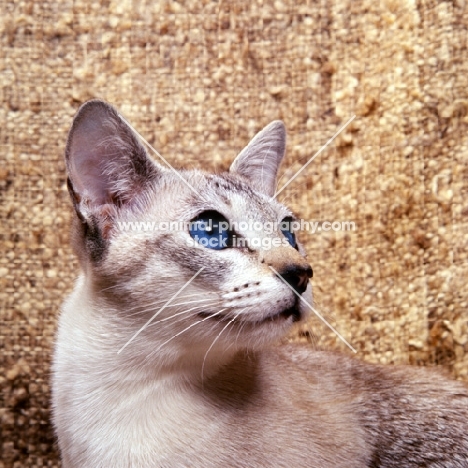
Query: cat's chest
{"type": "Point", "coordinates": [170, 427]}
{"type": "Point", "coordinates": [129, 425]}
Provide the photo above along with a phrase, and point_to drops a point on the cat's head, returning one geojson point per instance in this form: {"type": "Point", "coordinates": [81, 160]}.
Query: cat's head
{"type": "Point", "coordinates": [143, 231]}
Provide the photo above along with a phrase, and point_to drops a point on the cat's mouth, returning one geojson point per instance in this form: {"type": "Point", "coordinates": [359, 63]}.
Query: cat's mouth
{"type": "Point", "coordinates": [292, 311]}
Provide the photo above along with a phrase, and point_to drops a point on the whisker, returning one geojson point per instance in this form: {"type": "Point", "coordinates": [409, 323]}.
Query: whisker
{"type": "Point", "coordinates": [165, 319]}
{"type": "Point", "coordinates": [187, 296]}
{"type": "Point", "coordinates": [200, 293]}
{"type": "Point", "coordinates": [117, 285]}
{"type": "Point", "coordinates": [241, 328]}
{"type": "Point", "coordinates": [232, 342]}
{"type": "Point", "coordinates": [161, 309]}
{"type": "Point", "coordinates": [214, 341]}
{"type": "Point", "coordinates": [151, 306]}
{"type": "Point", "coordinates": [186, 329]}
{"type": "Point", "coordinates": [143, 308]}
{"type": "Point", "coordinates": [192, 302]}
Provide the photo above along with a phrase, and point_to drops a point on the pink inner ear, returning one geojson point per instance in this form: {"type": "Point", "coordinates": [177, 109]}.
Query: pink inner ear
{"type": "Point", "coordinates": [105, 161]}
{"type": "Point", "coordinates": [87, 176]}
{"type": "Point", "coordinates": [86, 158]}
{"type": "Point", "coordinates": [259, 160]}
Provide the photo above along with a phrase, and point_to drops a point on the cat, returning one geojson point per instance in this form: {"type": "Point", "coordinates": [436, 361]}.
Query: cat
{"type": "Point", "coordinates": [167, 352]}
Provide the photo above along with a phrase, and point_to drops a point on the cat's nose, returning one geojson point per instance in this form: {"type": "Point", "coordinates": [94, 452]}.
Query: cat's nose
{"type": "Point", "coordinates": [297, 276]}
{"type": "Point", "coordinates": [290, 265]}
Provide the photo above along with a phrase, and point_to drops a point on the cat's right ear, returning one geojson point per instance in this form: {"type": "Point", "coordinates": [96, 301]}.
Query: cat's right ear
{"type": "Point", "coordinates": [106, 163]}
{"type": "Point", "coordinates": [259, 161]}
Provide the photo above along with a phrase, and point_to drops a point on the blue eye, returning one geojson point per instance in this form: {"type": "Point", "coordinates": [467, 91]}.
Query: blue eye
{"type": "Point", "coordinates": [211, 229]}
{"type": "Point", "coordinates": [286, 229]}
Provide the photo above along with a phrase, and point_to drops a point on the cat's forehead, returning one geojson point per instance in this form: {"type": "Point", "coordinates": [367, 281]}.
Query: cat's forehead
{"type": "Point", "coordinates": [238, 197]}
{"type": "Point", "coordinates": [227, 193]}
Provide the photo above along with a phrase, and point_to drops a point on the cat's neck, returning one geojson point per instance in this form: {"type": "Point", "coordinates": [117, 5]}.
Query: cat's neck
{"type": "Point", "coordinates": [103, 331]}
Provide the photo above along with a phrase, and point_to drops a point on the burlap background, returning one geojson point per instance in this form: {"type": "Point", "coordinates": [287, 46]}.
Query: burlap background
{"type": "Point", "coordinates": [198, 79]}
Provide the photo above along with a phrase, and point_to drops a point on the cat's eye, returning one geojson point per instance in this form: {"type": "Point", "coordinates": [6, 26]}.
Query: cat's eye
{"type": "Point", "coordinates": [211, 230]}
{"type": "Point", "coordinates": [286, 229]}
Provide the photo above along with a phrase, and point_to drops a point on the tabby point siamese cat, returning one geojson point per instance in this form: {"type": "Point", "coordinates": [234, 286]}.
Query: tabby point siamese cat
{"type": "Point", "coordinates": [168, 354]}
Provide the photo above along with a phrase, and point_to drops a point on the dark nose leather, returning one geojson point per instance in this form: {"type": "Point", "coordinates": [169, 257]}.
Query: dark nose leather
{"type": "Point", "coordinates": [297, 277]}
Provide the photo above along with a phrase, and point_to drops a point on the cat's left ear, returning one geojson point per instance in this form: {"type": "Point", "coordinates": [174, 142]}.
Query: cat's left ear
{"type": "Point", "coordinates": [106, 162]}
{"type": "Point", "coordinates": [260, 159]}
